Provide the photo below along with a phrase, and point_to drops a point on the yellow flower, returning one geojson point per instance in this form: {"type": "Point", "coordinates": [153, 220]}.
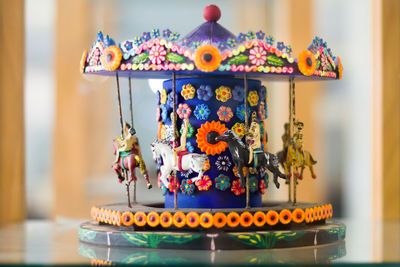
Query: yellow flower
{"type": "Point", "coordinates": [253, 98]}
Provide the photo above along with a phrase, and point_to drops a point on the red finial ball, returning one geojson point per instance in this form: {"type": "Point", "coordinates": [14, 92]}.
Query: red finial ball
{"type": "Point", "coordinates": [212, 13]}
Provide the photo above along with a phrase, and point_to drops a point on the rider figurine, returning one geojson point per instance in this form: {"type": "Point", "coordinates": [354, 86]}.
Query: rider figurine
{"type": "Point", "coordinates": [298, 135]}
{"type": "Point", "coordinates": [253, 138]}
{"type": "Point", "coordinates": [182, 145]}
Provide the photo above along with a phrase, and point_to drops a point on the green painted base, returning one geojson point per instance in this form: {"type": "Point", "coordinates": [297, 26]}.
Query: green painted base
{"type": "Point", "coordinates": [113, 236]}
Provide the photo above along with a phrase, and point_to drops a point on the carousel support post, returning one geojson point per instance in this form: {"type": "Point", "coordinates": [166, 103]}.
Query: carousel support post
{"type": "Point", "coordinates": [246, 126]}
{"type": "Point", "coordinates": [131, 111]}
{"type": "Point", "coordinates": [122, 134]}
{"type": "Point", "coordinates": [290, 135]}
{"type": "Point", "coordinates": [174, 130]}
{"type": "Point", "coordinates": [293, 121]}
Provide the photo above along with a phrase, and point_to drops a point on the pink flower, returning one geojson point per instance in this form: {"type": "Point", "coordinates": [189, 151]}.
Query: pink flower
{"type": "Point", "coordinates": [204, 183]}
{"type": "Point", "coordinates": [262, 186]}
{"type": "Point", "coordinates": [184, 111]}
{"type": "Point", "coordinates": [258, 56]}
{"type": "Point", "coordinates": [236, 188]}
{"type": "Point", "coordinates": [157, 54]}
{"type": "Point", "coordinates": [225, 114]}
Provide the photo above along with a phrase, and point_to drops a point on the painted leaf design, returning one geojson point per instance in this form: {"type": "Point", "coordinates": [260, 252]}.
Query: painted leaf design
{"type": "Point", "coordinates": [239, 59]}
{"type": "Point", "coordinates": [175, 58]}
{"type": "Point", "coordinates": [289, 236]}
{"type": "Point", "coordinates": [251, 239]}
{"type": "Point", "coordinates": [153, 240]}
{"type": "Point", "coordinates": [140, 58]}
{"type": "Point", "coordinates": [86, 234]}
{"type": "Point", "coordinates": [275, 61]}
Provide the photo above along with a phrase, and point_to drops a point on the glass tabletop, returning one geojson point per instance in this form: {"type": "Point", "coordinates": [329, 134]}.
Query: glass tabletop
{"type": "Point", "coordinates": [56, 242]}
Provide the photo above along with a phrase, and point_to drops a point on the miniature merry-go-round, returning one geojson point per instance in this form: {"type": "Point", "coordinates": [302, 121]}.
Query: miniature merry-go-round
{"type": "Point", "coordinates": [211, 145]}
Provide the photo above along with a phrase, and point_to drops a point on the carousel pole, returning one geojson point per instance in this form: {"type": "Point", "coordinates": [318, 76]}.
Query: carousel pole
{"type": "Point", "coordinates": [290, 134]}
{"type": "Point", "coordinates": [293, 122]}
{"type": "Point", "coordinates": [174, 130]}
{"type": "Point", "coordinates": [122, 134]}
{"type": "Point", "coordinates": [246, 127]}
{"type": "Point", "coordinates": [131, 111]}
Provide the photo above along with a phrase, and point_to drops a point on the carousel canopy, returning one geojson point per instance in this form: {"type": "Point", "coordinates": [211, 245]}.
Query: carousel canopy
{"type": "Point", "coordinates": [210, 49]}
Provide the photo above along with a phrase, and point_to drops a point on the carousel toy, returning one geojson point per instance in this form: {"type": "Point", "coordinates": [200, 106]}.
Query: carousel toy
{"type": "Point", "coordinates": [211, 143]}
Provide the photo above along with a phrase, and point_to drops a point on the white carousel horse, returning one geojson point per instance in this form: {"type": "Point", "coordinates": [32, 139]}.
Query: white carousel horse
{"type": "Point", "coordinates": [189, 161]}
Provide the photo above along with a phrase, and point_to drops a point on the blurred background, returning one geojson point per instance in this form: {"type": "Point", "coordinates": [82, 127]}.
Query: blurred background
{"type": "Point", "coordinates": [69, 120]}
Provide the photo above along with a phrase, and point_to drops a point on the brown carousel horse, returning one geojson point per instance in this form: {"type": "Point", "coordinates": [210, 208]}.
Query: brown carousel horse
{"type": "Point", "coordinates": [128, 157]}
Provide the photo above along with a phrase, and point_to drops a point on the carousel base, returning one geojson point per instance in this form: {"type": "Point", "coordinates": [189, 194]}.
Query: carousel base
{"type": "Point", "coordinates": [275, 225]}
{"type": "Point", "coordinates": [101, 255]}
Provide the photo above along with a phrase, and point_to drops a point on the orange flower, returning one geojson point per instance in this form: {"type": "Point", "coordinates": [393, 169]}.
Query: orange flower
{"type": "Point", "coordinates": [111, 58]}
{"type": "Point", "coordinates": [140, 218]}
{"type": "Point", "coordinates": [127, 218]}
{"type": "Point", "coordinates": [272, 217]}
{"type": "Point", "coordinates": [259, 218]}
{"type": "Point", "coordinates": [298, 215]}
{"type": "Point", "coordinates": [206, 220]}
{"type": "Point", "coordinates": [193, 219]}
{"type": "Point", "coordinates": [206, 138]}
{"type": "Point", "coordinates": [340, 68]}
{"type": "Point", "coordinates": [306, 63]}
{"type": "Point", "coordinates": [206, 165]}
{"type": "Point", "coordinates": [153, 219]}
{"type": "Point", "coordinates": [233, 219]}
{"type": "Point", "coordinates": [179, 219]}
{"type": "Point", "coordinates": [207, 58]}
{"type": "Point", "coordinates": [246, 219]}
{"type": "Point", "coordinates": [219, 219]}
{"type": "Point", "coordinates": [309, 215]}
{"type": "Point", "coordinates": [165, 219]}
{"type": "Point", "coordinates": [83, 61]}
{"type": "Point", "coordinates": [285, 216]}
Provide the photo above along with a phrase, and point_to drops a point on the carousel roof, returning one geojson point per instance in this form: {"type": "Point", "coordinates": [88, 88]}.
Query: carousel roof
{"type": "Point", "coordinates": [210, 49]}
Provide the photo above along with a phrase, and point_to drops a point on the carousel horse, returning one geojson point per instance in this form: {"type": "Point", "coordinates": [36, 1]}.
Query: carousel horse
{"type": "Point", "coordinates": [128, 158]}
{"type": "Point", "coordinates": [240, 155]}
{"type": "Point", "coordinates": [185, 161]}
{"type": "Point", "coordinates": [298, 158]}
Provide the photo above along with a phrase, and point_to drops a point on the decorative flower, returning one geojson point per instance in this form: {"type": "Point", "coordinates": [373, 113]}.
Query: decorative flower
{"type": "Point", "coordinates": [251, 35]}
{"type": "Point", "coordinates": [111, 58]}
{"type": "Point", "coordinates": [128, 45]}
{"type": "Point", "coordinates": [189, 147]}
{"type": "Point", "coordinates": [184, 111]}
{"type": "Point", "coordinates": [207, 58]}
{"type": "Point", "coordinates": [206, 138]}
{"type": "Point", "coordinates": [163, 96]}
{"type": "Point", "coordinates": [306, 63]}
{"type": "Point", "coordinates": [157, 54]}
{"type": "Point", "coordinates": [158, 114]}
{"type": "Point", "coordinates": [155, 33]}
{"type": "Point", "coordinates": [83, 61]}
{"type": "Point", "coordinates": [262, 93]}
{"type": "Point", "coordinates": [253, 98]}
{"type": "Point", "coordinates": [231, 42]}
{"type": "Point", "coordinates": [238, 128]}
{"type": "Point", "coordinates": [172, 181]}
{"type": "Point", "coordinates": [190, 131]}
{"type": "Point", "coordinates": [164, 114]}
{"type": "Point", "coordinates": [238, 93]}
{"type": "Point", "coordinates": [261, 110]}
{"type": "Point", "coordinates": [253, 184]}
{"type": "Point", "coordinates": [146, 36]}
{"type": "Point", "coordinates": [222, 182]}
{"type": "Point", "coordinates": [204, 92]}
{"type": "Point", "coordinates": [138, 41]}
{"type": "Point", "coordinates": [166, 33]}
{"type": "Point", "coordinates": [240, 112]}
{"type": "Point", "coordinates": [170, 100]}
{"type": "Point", "coordinates": [258, 56]}
{"type": "Point", "coordinates": [223, 93]}
{"type": "Point", "coordinates": [270, 39]}
{"type": "Point", "coordinates": [204, 183]}
{"type": "Point", "coordinates": [225, 113]}
{"type": "Point", "coordinates": [188, 91]}
{"type": "Point", "coordinates": [206, 165]}
{"type": "Point", "coordinates": [187, 187]}
{"type": "Point", "coordinates": [223, 163]}
{"type": "Point", "coordinates": [235, 171]}
{"type": "Point", "coordinates": [236, 188]}
{"type": "Point", "coordinates": [195, 45]}
{"type": "Point", "coordinates": [164, 190]}
{"type": "Point", "coordinates": [174, 36]}
{"type": "Point", "coordinates": [260, 35]}
{"type": "Point", "coordinates": [288, 49]}
{"type": "Point", "coordinates": [221, 45]}
{"type": "Point", "coordinates": [186, 42]}
{"type": "Point", "coordinates": [280, 45]}
{"type": "Point", "coordinates": [262, 186]}
{"type": "Point", "coordinates": [202, 112]}
{"type": "Point", "coordinates": [241, 37]}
